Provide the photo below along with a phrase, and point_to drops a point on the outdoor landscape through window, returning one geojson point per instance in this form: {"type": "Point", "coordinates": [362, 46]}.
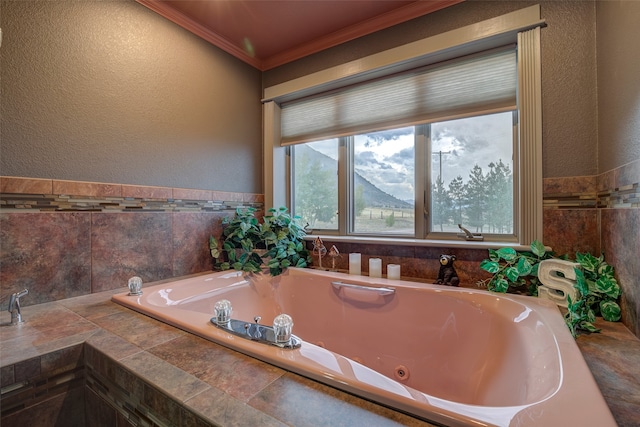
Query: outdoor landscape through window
{"type": "Point", "coordinates": [470, 178]}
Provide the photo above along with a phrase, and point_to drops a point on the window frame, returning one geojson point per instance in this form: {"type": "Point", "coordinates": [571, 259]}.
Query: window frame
{"type": "Point", "coordinates": [522, 26]}
{"type": "Point", "coordinates": [423, 153]}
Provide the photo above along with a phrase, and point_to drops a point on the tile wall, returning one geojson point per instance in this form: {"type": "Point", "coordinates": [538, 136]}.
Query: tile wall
{"type": "Point", "coordinates": [619, 203]}
{"type": "Point", "coordinates": [600, 215]}
{"type": "Point", "coordinates": [61, 239]}
{"type": "Point", "coordinates": [65, 238]}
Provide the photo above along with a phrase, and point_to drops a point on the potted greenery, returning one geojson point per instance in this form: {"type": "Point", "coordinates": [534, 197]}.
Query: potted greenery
{"type": "Point", "coordinates": [597, 288]}
{"type": "Point", "coordinates": [248, 245]}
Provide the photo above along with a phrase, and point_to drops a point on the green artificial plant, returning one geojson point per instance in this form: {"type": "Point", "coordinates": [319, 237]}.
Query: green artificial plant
{"type": "Point", "coordinates": [248, 245]}
{"type": "Point", "coordinates": [514, 270]}
{"type": "Point", "coordinates": [597, 294]}
{"type": "Point", "coordinates": [597, 289]}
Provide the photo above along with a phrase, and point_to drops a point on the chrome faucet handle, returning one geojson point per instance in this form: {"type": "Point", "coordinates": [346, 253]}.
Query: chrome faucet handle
{"type": "Point", "coordinates": [14, 306]}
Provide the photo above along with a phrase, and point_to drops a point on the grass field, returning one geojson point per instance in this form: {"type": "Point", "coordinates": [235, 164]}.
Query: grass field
{"type": "Point", "coordinates": [385, 221]}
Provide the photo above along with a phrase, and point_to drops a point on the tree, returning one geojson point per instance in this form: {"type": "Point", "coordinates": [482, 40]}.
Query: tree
{"type": "Point", "coordinates": [476, 198]}
{"type": "Point", "coordinates": [499, 181]}
{"type": "Point", "coordinates": [458, 201]}
{"type": "Point", "coordinates": [440, 204]}
{"type": "Point", "coordinates": [315, 191]}
{"type": "Point", "coordinates": [360, 203]}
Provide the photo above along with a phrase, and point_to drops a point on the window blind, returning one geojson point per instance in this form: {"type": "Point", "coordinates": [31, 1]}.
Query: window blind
{"type": "Point", "coordinates": [485, 81]}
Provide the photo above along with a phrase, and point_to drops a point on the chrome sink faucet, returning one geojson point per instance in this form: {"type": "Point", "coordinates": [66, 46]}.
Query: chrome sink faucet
{"type": "Point", "coordinates": [14, 307]}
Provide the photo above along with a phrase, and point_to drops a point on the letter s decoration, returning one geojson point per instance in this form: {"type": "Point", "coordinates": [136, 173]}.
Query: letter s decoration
{"type": "Point", "coordinates": [557, 287]}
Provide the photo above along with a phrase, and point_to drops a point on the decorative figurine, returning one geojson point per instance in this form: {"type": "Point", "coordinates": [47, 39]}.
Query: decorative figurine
{"type": "Point", "coordinates": [333, 254]}
{"type": "Point", "coordinates": [319, 250]}
{"type": "Point", "coordinates": [447, 274]}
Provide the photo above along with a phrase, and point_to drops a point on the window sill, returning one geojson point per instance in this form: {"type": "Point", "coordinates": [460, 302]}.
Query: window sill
{"type": "Point", "coordinates": [462, 244]}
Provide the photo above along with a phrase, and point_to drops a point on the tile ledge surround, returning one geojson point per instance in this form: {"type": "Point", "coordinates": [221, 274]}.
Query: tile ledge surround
{"type": "Point", "coordinates": [40, 186]}
{"type": "Point", "coordinates": [612, 374]}
{"type": "Point", "coordinates": [120, 346]}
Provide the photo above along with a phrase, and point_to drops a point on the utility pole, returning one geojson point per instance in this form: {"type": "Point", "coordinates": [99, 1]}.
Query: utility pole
{"type": "Point", "coordinates": [440, 153]}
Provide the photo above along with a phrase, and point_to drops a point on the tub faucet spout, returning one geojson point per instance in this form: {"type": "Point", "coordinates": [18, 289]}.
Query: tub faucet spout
{"type": "Point", "coordinates": [14, 307]}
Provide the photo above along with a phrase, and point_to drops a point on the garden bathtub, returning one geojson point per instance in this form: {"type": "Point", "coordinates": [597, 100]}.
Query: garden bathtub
{"type": "Point", "coordinates": [452, 356]}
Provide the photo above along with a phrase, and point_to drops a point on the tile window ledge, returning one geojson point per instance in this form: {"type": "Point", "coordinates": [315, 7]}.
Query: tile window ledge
{"type": "Point", "coordinates": [430, 243]}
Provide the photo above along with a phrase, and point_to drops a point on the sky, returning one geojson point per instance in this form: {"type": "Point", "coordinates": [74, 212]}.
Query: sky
{"type": "Point", "coordinates": [388, 160]}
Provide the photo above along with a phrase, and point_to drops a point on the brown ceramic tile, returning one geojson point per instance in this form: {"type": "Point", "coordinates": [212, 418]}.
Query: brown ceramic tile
{"type": "Point", "coordinates": [15, 350]}
{"type": "Point", "coordinates": [191, 194]}
{"type": "Point", "coordinates": [87, 189]}
{"type": "Point", "coordinates": [190, 419]}
{"type": "Point", "coordinates": [96, 305]}
{"type": "Point", "coordinates": [568, 231]}
{"type": "Point", "coordinates": [469, 273]}
{"type": "Point", "coordinates": [610, 355]}
{"type": "Point", "coordinates": [122, 421]}
{"type": "Point", "coordinates": [15, 185]}
{"type": "Point", "coordinates": [63, 360]}
{"type": "Point", "coordinates": [41, 319]}
{"type": "Point", "coordinates": [191, 231]}
{"type": "Point", "coordinates": [228, 411]}
{"type": "Point", "coordinates": [625, 413]}
{"type": "Point", "coordinates": [606, 181]}
{"type": "Point", "coordinates": [138, 329]}
{"type": "Point", "coordinates": [47, 253]}
{"type": "Point", "coordinates": [628, 174]}
{"type": "Point", "coordinates": [7, 375]}
{"type": "Point", "coordinates": [621, 246]}
{"type": "Point", "coordinates": [111, 345]}
{"type": "Point", "coordinates": [426, 269]}
{"type": "Point", "coordinates": [569, 184]}
{"type": "Point", "coordinates": [145, 192]}
{"type": "Point", "coordinates": [104, 367]}
{"type": "Point", "coordinates": [129, 244]}
{"type": "Point", "coordinates": [28, 369]}
{"type": "Point", "coordinates": [98, 412]}
{"type": "Point", "coordinates": [171, 380]}
{"type": "Point", "coordinates": [236, 374]}
{"type": "Point", "coordinates": [161, 405]}
{"type": "Point", "coordinates": [253, 198]}
{"type": "Point", "coordinates": [302, 402]}
{"type": "Point", "coordinates": [226, 196]}
{"type": "Point", "coordinates": [67, 408]}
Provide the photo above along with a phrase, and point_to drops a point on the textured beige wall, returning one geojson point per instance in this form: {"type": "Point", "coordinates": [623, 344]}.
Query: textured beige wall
{"type": "Point", "coordinates": [618, 28]}
{"type": "Point", "coordinates": [109, 91]}
{"type": "Point", "coordinates": [568, 71]}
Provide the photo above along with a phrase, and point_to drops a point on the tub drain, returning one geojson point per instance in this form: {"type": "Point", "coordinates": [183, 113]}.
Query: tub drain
{"type": "Point", "coordinates": [401, 373]}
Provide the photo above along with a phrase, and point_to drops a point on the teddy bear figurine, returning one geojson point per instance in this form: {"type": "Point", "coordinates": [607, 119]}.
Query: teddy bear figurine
{"type": "Point", "coordinates": [447, 274]}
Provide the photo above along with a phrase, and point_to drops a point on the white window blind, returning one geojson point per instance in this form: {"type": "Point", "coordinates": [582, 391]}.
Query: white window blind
{"type": "Point", "coordinates": [485, 81]}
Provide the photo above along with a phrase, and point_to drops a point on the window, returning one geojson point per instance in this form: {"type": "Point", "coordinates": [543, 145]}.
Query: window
{"type": "Point", "coordinates": [472, 174]}
{"type": "Point", "coordinates": [467, 179]}
{"type": "Point", "coordinates": [383, 182]}
{"type": "Point", "coordinates": [414, 148]}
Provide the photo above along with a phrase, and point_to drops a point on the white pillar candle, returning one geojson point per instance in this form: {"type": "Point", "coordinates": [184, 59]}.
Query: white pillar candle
{"type": "Point", "coordinates": [355, 263]}
{"type": "Point", "coordinates": [393, 271]}
{"type": "Point", "coordinates": [375, 267]}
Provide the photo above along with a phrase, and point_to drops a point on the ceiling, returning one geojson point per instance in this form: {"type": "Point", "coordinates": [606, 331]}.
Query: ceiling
{"type": "Point", "coordinates": [270, 33]}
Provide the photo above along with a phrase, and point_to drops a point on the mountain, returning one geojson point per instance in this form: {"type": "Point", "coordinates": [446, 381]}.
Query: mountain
{"type": "Point", "coordinates": [373, 196]}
